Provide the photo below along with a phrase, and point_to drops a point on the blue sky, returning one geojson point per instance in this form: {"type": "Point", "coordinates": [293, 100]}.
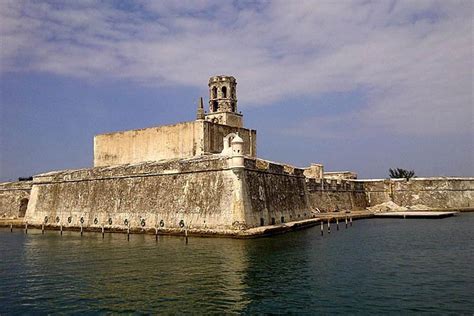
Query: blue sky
{"type": "Point", "coordinates": [355, 85]}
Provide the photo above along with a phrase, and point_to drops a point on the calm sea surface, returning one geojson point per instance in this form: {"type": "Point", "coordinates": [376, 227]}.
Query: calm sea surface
{"type": "Point", "coordinates": [376, 266]}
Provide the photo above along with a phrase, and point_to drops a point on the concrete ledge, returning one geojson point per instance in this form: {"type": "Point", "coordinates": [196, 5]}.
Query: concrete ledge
{"type": "Point", "coordinates": [416, 214]}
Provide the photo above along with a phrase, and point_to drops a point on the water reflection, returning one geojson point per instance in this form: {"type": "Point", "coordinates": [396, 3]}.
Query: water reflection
{"type": "Point", "coordinates": [376, 266]}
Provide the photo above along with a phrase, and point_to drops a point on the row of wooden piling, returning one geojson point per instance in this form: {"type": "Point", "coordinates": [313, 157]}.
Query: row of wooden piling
{"type": "Point", "coordinates": [102, 230]}
{"type": "Point", "coordinates": [337, 224]}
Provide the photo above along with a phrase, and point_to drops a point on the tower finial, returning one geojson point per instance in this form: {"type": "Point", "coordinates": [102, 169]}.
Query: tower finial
{"type": "Point", "coordinates": [200, 110]}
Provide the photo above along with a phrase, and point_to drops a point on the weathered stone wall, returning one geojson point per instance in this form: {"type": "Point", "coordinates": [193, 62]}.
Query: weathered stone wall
{"type": "Point", "coordinates": [329, 195]}
{"type": "Point", "coordinates": [211, 194]}
{"type": "Point", "coordinates": [197, 192]}
{"type": "Point", "coordinates": [432, 192]}
{"type": "Point", "coordinates": [181, 140]}
{"type": "Point", "coordinates": [214, 134]}
{"type": "Point", "coordinates": [14, 197]}
{"type": "Point", "coordinates": [205, 193]}
{"type": "Point", "coordinates": [275, 193]}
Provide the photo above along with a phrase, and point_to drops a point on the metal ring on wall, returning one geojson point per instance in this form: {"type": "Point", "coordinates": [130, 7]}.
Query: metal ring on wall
{"type": "Point", "coordinates": [110, 220]}
{"type": "Point", "coordinates": [69, 219]}
{"type": "Point", "coordinates": [96, 221]}
{"type": "Point", "coordinates": [57, 219]}
{"type": "Point", "coordinates": [162, 223]}
{"type": "Point", "coordinates": [82, 220]}
{"type": "Point", "coordinates": [125, 222]}
{"type": "Point", "coordinates": [46, 219]}
{"type": "Point", "coordinates": [143, 222]}
{"type": "Point", "coordinates": [181, 224]}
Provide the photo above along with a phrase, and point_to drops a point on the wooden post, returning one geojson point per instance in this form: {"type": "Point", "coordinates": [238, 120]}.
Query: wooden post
{"type": "Point", "coordinates": [156, 233]}
{"type": "Point", "coordinates": [329, 225]}
{"type": "Point", "coordinates": [42, 229]}
{"type": "Point", "coordinates": [102, 231]}
{"type": "Point", "coordinates": [322, 228]}
{"type": "Point", "coordinates": [351, 221]}
{"type": "Point", "coordinates": [128, 232]}
{"type": "Point", "coordinates": [186, 234]}
{"type": "Point", "coordinates": [11, 228]}
{"type": "Point", "coordinates": [26, 228]}
{"type": "Point", "coordinates": [81, 229]}
{"type": "Point", "coordinates": [346, 221]}
{"type": "Point", "coordinates": [337, 223]}
{"type": "Point", "coordinates": [61, 229]}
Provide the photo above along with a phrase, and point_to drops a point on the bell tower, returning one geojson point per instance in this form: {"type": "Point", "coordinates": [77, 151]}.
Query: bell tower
{"type": "Point", "coordinates": [223, 101]}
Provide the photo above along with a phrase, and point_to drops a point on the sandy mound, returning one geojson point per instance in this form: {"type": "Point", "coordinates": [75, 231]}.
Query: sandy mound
{"type": "Point", "coordinates": [419, 207]}
{"type": "Point", "coordinates": [387, 207]}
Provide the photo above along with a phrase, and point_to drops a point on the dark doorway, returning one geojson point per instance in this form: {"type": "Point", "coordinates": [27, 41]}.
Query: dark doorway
{"type": "Point", "coordinates": [23, 207]}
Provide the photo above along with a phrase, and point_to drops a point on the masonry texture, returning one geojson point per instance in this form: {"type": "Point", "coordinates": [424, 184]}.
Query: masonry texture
{"type": "Point", "coordinates": [442, 192]}
{"type": "Point", "coordinates": [204, 177]}
{"type": "Point", "coordinates": [204, 194]}
{"type": "Point", "coordinates": [183, 140]}
{"type": "Point", "coordinates": [14, 197]}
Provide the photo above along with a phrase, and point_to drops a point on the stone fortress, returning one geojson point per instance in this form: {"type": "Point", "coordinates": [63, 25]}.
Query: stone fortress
{"type": "Point", "coordinates": [204, 177]}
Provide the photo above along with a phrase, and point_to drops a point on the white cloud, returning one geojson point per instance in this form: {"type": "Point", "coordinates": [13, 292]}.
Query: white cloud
{"type": "Point", "coordinates": [414, 59]}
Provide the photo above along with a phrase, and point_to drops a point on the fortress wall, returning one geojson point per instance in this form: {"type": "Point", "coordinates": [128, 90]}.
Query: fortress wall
{"type": "Point", "coordinates": [14, 197]}
{"type": "Point", "coordinates": [199, 192]}
{"type": "Point", "coordinates": [274, 191]}
{"type": "Point", "coordinates": [432, 192]}
{"type": "Point", "coordinates": [214, 134]}
{"type": "Point", "coordinates": [180, 140]}
{"type": "Point", "coordinates": [329, 195]}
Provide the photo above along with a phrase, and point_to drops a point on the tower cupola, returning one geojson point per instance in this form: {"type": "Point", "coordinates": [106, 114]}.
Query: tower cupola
{"type": "Point", "coordinates": [223, 101]}
{"type": "Point", "coordinates": [222, 94]}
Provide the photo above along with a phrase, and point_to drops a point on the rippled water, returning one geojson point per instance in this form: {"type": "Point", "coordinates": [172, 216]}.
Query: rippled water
{"type": "Point", "coordinates": [376, 266]}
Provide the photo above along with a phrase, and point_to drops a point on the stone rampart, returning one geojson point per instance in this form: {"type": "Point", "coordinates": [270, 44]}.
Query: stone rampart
{"type": "Point", "coordinates": [329, 195]}
{"type": "Point", "coordinates": [14, 197]}
{"type": "Point", "coordinates": [210, 195]}
{"type": "Point", "coordinates": [432, 192]}
{"type": "Point", "coordinates": [176, 194]}
{"type": "Point", "coordinates": [275, 193]}
{"type": "Point", "coordinates": [206, 194]}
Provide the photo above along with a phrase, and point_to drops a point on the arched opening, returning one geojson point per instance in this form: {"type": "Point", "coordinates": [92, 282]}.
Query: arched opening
{"type": "Point", "coordinates": [214, 92]}
{"type": "Point", "coordinates": [23, 207]}
{"type": "Point", "coordinates": [224, 92]}
{"type": "Point", "coordinates": [214, 106]}
{"type": "Point", "coordinates": [233, 107]}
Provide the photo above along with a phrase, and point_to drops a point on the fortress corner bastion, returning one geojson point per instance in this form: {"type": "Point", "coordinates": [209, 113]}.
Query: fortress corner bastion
{"type": "Point", "coordinates": [204, 177]}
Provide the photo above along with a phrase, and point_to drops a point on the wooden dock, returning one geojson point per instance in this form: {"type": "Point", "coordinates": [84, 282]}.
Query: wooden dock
{"type": "Point", "coordinates": [416, 214]}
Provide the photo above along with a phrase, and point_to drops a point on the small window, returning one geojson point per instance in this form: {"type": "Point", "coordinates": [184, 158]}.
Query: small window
{"type": "Point", "coordinates": [224, 92]}
{"type": "Point", "coordinates": [214, 92]}
{"type": "Point", "coordinates": [262, 222]}
{"type": "Point", "coordinates": [282, 219]}
{"type": "Point", "coordinates": [273, 220]}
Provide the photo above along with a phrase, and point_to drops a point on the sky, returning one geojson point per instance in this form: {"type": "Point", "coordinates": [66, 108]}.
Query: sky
{"type": "Point", "coordinates": [354, 85]}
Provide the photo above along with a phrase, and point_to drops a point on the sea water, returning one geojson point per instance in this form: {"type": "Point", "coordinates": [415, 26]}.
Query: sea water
{"type": "Point", "coordinates": [375, 266]}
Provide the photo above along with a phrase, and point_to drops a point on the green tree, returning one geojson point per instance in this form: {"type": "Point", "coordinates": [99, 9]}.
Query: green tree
{"type": "Point", "coordinates": [401, 173]}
